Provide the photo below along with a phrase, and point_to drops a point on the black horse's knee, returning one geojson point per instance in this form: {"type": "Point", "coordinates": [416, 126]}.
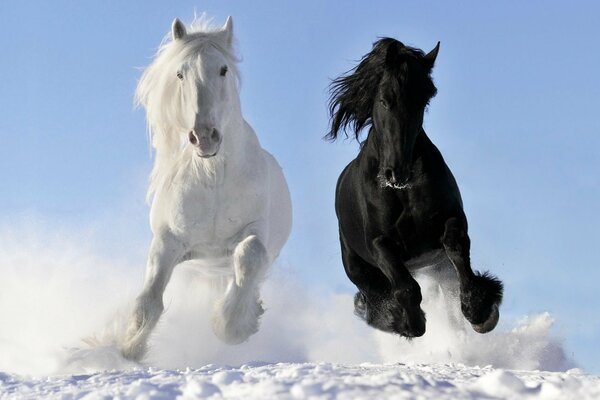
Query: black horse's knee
{"type": "Point", "coordinates": [409, 294]}
{"type": "Point", "coordinates": [455, 237]}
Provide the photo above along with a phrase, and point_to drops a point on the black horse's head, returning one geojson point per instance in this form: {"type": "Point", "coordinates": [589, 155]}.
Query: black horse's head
{"type": "Point", "coordinates": [389, 90]}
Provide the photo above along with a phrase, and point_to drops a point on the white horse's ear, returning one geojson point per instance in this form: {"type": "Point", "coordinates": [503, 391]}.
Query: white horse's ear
{"type": "Point", "coordinates": [177, 29]}
{"type": "Point", "coordinates": [228, 30]}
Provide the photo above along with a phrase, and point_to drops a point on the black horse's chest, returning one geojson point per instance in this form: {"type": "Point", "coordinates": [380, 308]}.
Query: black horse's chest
{"type": "Point", "coordinates": [413, 217]}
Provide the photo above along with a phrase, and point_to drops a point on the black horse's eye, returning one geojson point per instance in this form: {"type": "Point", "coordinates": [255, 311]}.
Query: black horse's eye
{"type": "Point", "coordinates": [383, 103]}
{"type": "Point", "coordinates": [179, 75]}
{"type": "Point", "coordinates": [224, 70]}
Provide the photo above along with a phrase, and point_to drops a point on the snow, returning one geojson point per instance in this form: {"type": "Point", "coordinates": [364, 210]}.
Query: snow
{"type": "Point", "coordinates": [309, 380]}
{"type": "Point", "coordinates": [311, 343]}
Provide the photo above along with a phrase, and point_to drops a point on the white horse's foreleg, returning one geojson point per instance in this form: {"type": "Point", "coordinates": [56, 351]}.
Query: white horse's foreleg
{"type": "Point", "coordinates": [165, 253]}
{"type": "Point", "coordinates": [236, 316]}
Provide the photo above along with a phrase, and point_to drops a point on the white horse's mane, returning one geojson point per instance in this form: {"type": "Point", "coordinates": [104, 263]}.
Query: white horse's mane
{"type": "Point", "coordinates": [160, 93]}
{"type": "Point", "coordinates": [219, 200]}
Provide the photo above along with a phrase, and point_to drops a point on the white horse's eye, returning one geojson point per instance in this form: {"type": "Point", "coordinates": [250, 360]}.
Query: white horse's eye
{"type": "Point", "coordinates": [179, 75]}
{"type": "Point", "coordinates": [224, 70]}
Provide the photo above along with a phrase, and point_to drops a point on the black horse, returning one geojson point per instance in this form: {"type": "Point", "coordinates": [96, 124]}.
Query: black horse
{"type": "Point", "coordinates": [398, 205]}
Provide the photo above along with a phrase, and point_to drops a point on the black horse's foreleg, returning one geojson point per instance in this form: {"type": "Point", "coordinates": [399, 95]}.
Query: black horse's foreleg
{"type": "Point", "coordinates": [405, 290]}
{"type": "Point", "coordinates": [480, 294]}
{"type": "Point", "coordinates": [373, 302]}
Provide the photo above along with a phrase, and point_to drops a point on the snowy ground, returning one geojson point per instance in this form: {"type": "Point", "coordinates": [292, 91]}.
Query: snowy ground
{"type": "Point", "coordinates": [310, 380]}
{"type": "Point", "coordinates": [310, 344]}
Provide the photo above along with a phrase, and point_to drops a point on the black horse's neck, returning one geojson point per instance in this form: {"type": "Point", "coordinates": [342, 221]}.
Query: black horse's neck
{"type": "Point", "coordinates": [369, 155]}
{"type": "Point", "coordinates": [369, 152]}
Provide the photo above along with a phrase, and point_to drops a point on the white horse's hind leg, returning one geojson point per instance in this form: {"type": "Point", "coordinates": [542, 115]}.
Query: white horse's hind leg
{"type": "Point", "coordinates": [236, 315]}
{"type": "Point", "coordinates": [165, 252]}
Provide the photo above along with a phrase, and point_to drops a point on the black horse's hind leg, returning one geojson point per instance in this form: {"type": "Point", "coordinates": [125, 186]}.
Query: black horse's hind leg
{"type": "Point", "coordinates": [374, 302]}
{"type": "Point", "coordinates": [480, 294]}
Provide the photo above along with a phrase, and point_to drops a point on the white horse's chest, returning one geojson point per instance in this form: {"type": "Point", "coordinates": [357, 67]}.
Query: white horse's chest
{"type": "Point", "coordinates": [218, 212]}
{"type": "Point", "coordinates": [210, 214]}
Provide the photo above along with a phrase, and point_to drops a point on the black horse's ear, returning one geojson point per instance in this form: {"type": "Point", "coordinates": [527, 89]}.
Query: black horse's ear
{"type": "Point", "coordinates": [177, 29]}
{"type": "Point", "coordinates": [432, 55]}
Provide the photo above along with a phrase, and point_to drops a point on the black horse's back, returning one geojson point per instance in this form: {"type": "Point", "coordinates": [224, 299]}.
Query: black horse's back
{"type": "Point", "coordinates": [398, 205]}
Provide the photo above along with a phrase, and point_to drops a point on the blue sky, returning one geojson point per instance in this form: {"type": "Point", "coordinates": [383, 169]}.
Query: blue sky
{"type": "Point", "coordinates": [516, 117]}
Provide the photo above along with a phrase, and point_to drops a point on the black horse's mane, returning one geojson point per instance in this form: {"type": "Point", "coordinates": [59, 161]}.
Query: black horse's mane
{"type": "Point", "coordinates": [353, 94]}
{"type": "Point", "coordinates": [397, 203]}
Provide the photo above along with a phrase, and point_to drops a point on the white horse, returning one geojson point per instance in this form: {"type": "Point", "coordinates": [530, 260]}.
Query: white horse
{"type": "Point", "coordinates": [217, 196]}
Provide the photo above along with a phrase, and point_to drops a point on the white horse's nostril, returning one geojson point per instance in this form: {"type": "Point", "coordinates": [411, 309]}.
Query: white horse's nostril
{"type": "Point", "coordinates": [215, 134]}
{"type": "Point", "coordinates": [193, 138]}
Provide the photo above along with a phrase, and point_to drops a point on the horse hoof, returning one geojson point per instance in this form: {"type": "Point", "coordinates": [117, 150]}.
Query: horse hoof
{"type": "Point", "coordinates": [490, 323]}
{"type": "Point", "coordinates": [413, 334]}
{"type": "Point", "coordinates": [236, 319]}
{"type": "Point", "coordinates": [411, 325]}
{"type": "Point", "coordinates": [134, 352]}
{"type": "Point", "coordinates": [417, 329]}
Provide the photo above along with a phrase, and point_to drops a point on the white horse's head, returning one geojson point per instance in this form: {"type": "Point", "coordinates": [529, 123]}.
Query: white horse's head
{"type": "Point", "coordinates": [190, 90]}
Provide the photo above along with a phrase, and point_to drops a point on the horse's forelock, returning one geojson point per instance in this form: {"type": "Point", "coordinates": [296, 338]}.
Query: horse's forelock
{"type": "Point", "coordinates": [352, 94]}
